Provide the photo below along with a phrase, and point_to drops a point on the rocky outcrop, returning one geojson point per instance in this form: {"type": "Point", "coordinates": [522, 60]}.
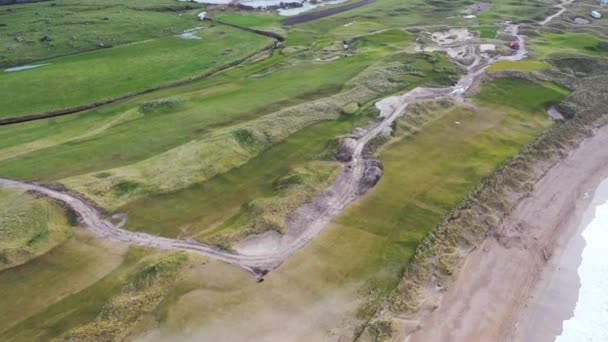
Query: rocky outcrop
{"type": "Point", "coordinates": [371, 175]}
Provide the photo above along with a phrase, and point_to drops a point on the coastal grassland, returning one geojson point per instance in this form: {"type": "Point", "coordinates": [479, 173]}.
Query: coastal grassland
{"type": "Point", "coordinates": [205, 206]}
{"type": "Point", "coordinates": [199, 160]}
{"type": "Point", "coordinates": [550, 44]}
{"type": "Point", "coordinates": [524, 95]}
{"type": "Point", "coordinates": [108, 73]}
{"type": "Point", "coordinates": [232, 146]}
{"type": "Point", "coordinates": [517, 10]}
{"type": "Point", "coordinates": [29, 227]}
{"type": "Point", "coordinates": [73, 26]}
{"type": "Point", "coordinates": [225, 99]}
{"type": "Point", "coordinates": [523, 66]}
{"type": "Point", "coordinates": [29, 289]}
{"type": "Point", "coordinates": [339, 279]}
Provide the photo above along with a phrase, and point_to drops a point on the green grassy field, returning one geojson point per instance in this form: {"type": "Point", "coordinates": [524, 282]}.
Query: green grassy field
{"type": "Point", "coordinates": [524, 66]}
{"type": "Point", "coordinates": [94, 76]}
{"type": "Point", "coordinates": [73, 26]}
{"type": "Point", "coordinates": [485, 32]}
{"type": "Point", "coordinates": [560, 43]}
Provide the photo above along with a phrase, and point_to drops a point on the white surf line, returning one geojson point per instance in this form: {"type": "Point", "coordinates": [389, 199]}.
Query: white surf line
{"type": "Point", "coordinates": [343, 192]}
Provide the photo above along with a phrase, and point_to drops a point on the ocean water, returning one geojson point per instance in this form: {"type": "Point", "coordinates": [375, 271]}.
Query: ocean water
{"type": "Point", "coordinates": [263, 3]}
{"type": "Point", "coordinates": [590, 320]}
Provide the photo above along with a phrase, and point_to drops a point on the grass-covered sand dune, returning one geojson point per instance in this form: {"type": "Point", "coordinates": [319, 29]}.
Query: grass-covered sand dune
{"type": "Point", "coordinates": [29, 227]}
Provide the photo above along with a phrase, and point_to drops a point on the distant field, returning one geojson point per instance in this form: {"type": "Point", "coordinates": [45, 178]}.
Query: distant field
{"type": "Point", "coordinates": [89, 77]}
{"type": "Point", "coordinates": [552, 43]}
{"type": "Point", "coordinates": [32, 32]}
{"type": "Point", "coordinates": [524, 66]}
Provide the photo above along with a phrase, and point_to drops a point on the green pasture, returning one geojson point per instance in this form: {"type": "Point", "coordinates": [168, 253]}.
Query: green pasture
{"type": "Point", "coordinates": [72, 26]}
{"type": "Point", "coordinates": [88, 77]}
{"type": "Point", "coordinates": [523, 66]}
{"type": "Point", "coordinates": [485, 32]}
{"type": "Point", "coordinates": [562, 43]}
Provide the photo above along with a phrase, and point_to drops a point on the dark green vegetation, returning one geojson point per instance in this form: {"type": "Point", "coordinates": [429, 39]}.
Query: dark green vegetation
{"type": "Point", "coordinates": [31, 32]}
{"type": "Point", "coordinates": [524, 95]}
{"type": "Point", "coordinates": [551, 44]}
{"type": "Point", "coordinates": [485, 32]}
{"type": "Point", "coordinates": [109, 73]}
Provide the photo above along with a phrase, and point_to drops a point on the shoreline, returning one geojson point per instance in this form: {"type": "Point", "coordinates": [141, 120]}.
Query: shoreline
{"type": "Point", "coordinates": [501, 283]}
{"type": "Point", "coordinates": [557, 301]}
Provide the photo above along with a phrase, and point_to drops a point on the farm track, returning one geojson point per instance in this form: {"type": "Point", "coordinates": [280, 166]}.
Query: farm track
{"type": "Point", "coordinates": [311, 218]}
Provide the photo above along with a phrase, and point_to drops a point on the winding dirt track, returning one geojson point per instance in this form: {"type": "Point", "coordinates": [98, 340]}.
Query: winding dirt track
{"type": "Point", "coordinates": [313, 217]}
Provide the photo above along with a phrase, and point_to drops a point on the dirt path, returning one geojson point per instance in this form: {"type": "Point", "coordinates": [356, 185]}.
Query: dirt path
{"type": "Point", "coordinates": [308, 221]}
{"type": "Point", "coordinates": [562, 9]}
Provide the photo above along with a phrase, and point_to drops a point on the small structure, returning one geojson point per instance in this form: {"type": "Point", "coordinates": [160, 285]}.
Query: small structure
{"type": "Point", "coordinates": [514, 45]}
{"type": "Point", "coordinates": [596, 14]}
{"type": "Point", "coordinates": [604, 3]}
{"type": "Point", "coordinates": [345, 45]}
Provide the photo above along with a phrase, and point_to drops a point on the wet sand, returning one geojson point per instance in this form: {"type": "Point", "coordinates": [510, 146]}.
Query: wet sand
{"type": "Point", "coordinates": [558, 300]}
{"type": "Point", "coordinates": [505, 284]}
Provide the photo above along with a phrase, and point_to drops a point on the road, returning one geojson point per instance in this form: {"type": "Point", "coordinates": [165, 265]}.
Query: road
{"type": "Point", "coordinates": [311, 218]}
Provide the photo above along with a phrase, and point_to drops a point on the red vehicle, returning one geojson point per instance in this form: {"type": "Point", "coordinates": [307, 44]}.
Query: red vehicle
{"type": "Point", "coordinates": [514, 45]}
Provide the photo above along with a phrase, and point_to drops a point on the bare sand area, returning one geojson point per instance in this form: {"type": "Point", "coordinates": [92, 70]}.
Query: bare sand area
{"type": "Point", "coordinates": [502, 282]}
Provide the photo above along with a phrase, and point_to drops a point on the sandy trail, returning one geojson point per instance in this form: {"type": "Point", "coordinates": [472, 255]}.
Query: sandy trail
{"type": "Point", "coordinates": [308, 221]}
{"type": "Point", "coordinates": [491, 299]}
{"type": "Point", "coordinates": [562, 9]}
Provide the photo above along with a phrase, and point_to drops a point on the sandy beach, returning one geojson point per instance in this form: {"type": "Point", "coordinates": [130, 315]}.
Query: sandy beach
{"type": "Point", "coordinates": [505, 288]}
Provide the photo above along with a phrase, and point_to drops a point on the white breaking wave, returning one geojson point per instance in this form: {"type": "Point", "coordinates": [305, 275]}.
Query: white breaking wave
{"type": "Point", "coordinates": [590, 320]}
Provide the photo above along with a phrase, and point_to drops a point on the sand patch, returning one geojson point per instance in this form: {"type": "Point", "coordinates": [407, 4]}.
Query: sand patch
{"type": "Point", "coordinates": [259, 244]}
{"type": "Point", "coordinates": [451, 36]}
